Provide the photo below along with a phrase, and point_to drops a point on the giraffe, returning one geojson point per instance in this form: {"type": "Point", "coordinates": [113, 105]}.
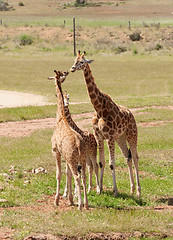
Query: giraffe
{"type": "Point", "coordinates": [69, 144]}
{"type": "Point", "coordinates": [91, 146]}
{"type": "Point", "coordinates": [112, 123]}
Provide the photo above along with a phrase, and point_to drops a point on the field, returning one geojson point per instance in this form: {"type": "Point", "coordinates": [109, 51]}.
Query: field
{"type": "Point", "coordinates": [136, 74]}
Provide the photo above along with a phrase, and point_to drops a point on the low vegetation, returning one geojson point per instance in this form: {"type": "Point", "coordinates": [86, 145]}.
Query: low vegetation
{"type": "Point", "coordinates": [4, 6]}
{"type": "Point", "coordinates": [133, 64]}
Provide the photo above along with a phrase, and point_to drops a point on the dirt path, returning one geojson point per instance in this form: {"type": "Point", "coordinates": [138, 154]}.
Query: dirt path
{"type": "Point", "coordinates": [25, 128]}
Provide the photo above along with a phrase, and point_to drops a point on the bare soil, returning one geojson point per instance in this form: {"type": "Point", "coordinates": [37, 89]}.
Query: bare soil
{"type": "Point", "coordinates": [19, 99]}
{"type": "Point", "coordinates": [25, 128]}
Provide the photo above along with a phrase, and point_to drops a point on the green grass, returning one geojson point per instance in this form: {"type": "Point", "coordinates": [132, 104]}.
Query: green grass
{"type": "Point", "coordinates": [125, 78]}
{"type": "Point", "coordinates": [142, 80]}
{"type": "Point", "coordinates": [108, 214]}
{"type": "Point", "coordinates": [150, 114]}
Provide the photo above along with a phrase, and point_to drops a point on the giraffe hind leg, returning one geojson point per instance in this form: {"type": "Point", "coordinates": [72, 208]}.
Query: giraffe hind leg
{"type": "Point", "coordinates": [135, 160]}
{"type": "Point", "coordinates": [128, 156]}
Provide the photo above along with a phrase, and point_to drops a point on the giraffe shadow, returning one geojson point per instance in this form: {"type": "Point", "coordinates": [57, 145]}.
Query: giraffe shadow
{"type": "Point", "coordinates": [167, 200]}
{"type": "Point", "coordinates": [120, 202]}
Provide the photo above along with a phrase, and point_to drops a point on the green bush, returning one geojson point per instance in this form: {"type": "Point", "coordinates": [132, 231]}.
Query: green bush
{"type": "Point", "coordinates": [21, 4]}
{"type": "Point", "coordinates": [26, 40]}
{"type": "Point", "coordinates": [158, 46]}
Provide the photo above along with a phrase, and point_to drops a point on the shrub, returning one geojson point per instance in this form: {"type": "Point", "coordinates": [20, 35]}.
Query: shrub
{"type": "Point", "coordinates": [136, 36]}
{"type": "Point", "coordinates": [4, 6]}
{"type": "Point", "coordinates": [158, 46]}
{"type": "Point", "coordinates": [21, 4]}
{"type": "Point", "coordinates": [79, 3]}
{"type": "Point", "coordinates": [26, 40]}
{"type": "Point", "coordinates": [135, 51]}
{"type": "Point", "coordinates": [120, 49]}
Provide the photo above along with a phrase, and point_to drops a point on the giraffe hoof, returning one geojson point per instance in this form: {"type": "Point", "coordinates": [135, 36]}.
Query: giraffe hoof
{"type": "Point", "coordinates": [111, 167]}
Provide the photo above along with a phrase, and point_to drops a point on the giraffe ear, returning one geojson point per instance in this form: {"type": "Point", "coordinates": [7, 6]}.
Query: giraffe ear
{"type": "Point", "coordinates": [51, 78]}
{"type": "Point", "coordinates": [90, 61]}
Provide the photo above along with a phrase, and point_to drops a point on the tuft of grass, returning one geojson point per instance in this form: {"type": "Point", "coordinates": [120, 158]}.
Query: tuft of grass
{"type": "Point", "coordinates": [26, 40]}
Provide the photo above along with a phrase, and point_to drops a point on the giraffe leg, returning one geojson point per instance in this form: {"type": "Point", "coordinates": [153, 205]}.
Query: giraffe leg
{"type": "Point", "coordinates": [77, 180]}
{"type": "Point", "coordinates": [58, 176]}
{"type": "Point", "coordinates": [66, 185]}
{"type": "Point", "coordinates": [90, 170]}
{"type": "Point", "coordinates": [135, 160]}
{"type": "Point", "coordinates": [78, 190]}
{"type": "Point", "coordinates": [124, 149]}
{"type": "Point", "coordinates": [69, 180]}
{"type": "Point", "coordinates": [96, 170]}
{"type": "Point", "coordinates": [111, 147]}
{"type": "Point", "coordinates": [101, 162]}
{"type": "Point", "coordinates": [100, 143]}
{"type": "Point", "coordinates": [93, 157]}
{"type": "Point", "coordinates": [84, 187]}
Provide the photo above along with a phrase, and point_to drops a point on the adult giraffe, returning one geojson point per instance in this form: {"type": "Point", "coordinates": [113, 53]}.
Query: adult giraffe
{"type": "Point", "coordinates": [111, 123]}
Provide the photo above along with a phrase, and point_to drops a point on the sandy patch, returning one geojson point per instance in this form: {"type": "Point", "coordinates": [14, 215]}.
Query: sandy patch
{"type": "Point", "coordinates": [10, 99]}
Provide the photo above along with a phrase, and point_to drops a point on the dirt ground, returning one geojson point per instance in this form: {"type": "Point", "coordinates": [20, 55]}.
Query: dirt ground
{"type": "Point", "coordinates": [25, 128]}
{"type": "Point", "coordinates": [20, 99]}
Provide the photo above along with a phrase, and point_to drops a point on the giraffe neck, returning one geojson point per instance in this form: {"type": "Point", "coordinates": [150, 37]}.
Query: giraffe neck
{"type": "Point", "coordinates": [70, 120]}
{"type": "Point", "coordinates": [96, 96]}
{"type": "Point", "coordinates": [60, 103]}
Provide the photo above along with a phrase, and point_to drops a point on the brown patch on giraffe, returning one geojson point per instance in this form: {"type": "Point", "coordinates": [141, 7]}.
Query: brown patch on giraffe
{"type": "Point", "coordinates": [88, 80]}
{"type": "Point", "coordinates": [105, 113]}
{"type": "Point", "coordinates": [96, 90]}
{"type": "Point", "coordinates": [90, 88]}
{"type": "Point", "coordinates": [96, 102]}
{"type": "Point", "coordinates": [118, 120]}
{"type": "Point", "coordinates": [92, 96]}
{"type": "Point", "coordinates": [110, 118]}
{"type": "Point", "coordinates": [105, 129]}
{"type": "Point", "coordinates": [112, 114]}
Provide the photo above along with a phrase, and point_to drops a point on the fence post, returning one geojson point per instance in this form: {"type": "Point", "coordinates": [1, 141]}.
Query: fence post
{"type": "Point", "coordinates": [129, 26]}
{"type": "Point", "coordinates": [74, 37]}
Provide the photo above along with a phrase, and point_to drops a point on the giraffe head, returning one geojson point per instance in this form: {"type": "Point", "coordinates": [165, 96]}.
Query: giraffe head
{"type": "Point", "coordinates": [59, 77]}
{"type": "Point", "coordinates": [80, 62]}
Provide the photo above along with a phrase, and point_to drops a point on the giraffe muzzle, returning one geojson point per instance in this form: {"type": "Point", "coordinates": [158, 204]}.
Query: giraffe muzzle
{"type": "Point", "coordinates": [72, 69]}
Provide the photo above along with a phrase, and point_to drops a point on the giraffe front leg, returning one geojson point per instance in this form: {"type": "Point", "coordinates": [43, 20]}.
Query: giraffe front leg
{"type": "Point", "coordinates": [78, 190]}
{"type": "Point", "coordinates": [66, 185]}
{"type": "Point", "coordinates": [111, 147]}
{"type": "Point", "coordinates": [136, 159]}
{"type": "Point", "coordinates": [100, 143]}
{"type": "Point", "coordinates": [69, 180]}
{"type": "Point", "coordinates": [84, 188]}
{"type": "Point", "coordinates": [90, 170]}
{"type": "Point", "coordinates": [58, 176]}
{"type": "Point", "coordinates": [101, 163]}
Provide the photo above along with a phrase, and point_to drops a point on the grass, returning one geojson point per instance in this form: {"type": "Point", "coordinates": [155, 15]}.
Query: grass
{"type": "Point", "coordinates": [155, 151]}
{"type": "Point", "coordinates": [28, 74]}
{"type": "Point", "coordinates": [140, 77]}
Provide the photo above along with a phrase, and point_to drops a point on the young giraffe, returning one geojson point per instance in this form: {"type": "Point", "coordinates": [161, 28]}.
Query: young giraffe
{"type": "Point", "coordinates": [111, 123]}
{"type": "Point", "coordinates": [69, 144]}
{"type": "Point", "coordinates": [91, 146]}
